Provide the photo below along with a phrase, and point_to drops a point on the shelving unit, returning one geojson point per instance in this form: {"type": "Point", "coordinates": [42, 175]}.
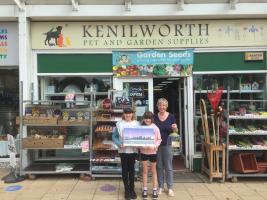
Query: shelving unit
{"type": "Point", "coordinates": [204, 83]}
{"type": "Point", "coordinates": [46, 159]}
{"type": "Point", "coordinates": [45, 145]}
{"type": "Point", "coordinates": [246, 133]}
{"type": "Point", "coordinates": [105, 158]}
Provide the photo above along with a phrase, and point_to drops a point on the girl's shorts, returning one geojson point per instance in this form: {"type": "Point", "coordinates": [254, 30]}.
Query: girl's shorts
{"type": "Point", "coordinates": [150, 157]}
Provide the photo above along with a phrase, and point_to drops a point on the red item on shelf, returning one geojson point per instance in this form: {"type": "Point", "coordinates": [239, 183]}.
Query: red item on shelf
{"type": "Point", "coordinates": [215, 97]}
{"type": "Point", "coordinates": [244, 163]}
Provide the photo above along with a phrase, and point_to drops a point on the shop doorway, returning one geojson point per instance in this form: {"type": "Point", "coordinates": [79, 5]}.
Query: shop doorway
{"type": "Point", "coordinates": [176, 91]}
{"type": "Point", "coordinates": [172, 88]}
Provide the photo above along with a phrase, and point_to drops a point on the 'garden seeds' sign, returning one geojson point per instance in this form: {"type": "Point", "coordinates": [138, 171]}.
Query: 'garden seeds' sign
{"type": "Point", "coordinates": [153, 63]}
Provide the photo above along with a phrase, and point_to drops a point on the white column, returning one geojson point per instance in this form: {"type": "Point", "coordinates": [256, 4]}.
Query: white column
{"type": "Point", "coordinates": [23, 54]}
{"type": "Point", "coordinates": [24, 70]}
{"type": "Point", "coordinates": [190, 121]}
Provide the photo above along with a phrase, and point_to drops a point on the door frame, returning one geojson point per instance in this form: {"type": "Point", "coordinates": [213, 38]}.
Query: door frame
{"type": "Point", "coordinates": [189, 123]}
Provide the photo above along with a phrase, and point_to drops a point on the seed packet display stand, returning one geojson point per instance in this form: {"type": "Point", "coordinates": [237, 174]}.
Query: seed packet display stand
{"type": "Point", "coordinates": [249, 166]}
{"type": "Point", "coordinates": [35, 157]}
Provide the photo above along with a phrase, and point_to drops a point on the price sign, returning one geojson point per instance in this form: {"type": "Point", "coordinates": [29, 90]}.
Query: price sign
{"type": "Point", "coordinates": [136, 91]}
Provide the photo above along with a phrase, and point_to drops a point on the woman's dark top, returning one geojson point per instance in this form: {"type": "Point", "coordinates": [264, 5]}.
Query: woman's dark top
{"type": "Point", "coordinates": [165, 127]}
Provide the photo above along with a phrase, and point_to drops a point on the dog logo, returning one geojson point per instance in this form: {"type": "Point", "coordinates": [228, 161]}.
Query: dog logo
{"type": "Point", "coordinates": [54, 37]}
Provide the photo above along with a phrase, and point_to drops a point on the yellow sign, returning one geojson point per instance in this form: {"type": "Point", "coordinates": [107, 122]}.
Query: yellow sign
{"type": "Point", "coordinates": [251, 56]}
{"type": "Point", "coordinates": [149, 34]}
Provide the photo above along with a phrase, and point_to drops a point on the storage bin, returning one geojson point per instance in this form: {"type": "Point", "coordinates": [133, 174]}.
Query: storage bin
{"type": "Point", "coordinates": [262, 167]}
{"type": "Point", "coordinates": [244, 163]}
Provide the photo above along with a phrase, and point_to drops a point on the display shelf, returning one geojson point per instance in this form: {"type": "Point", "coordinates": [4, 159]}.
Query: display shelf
{"type": "Point", "coordinates": [40, 148]}
{"type": "Point", "coordinates": [248, 116]}
{"type": "Point", "coordinates": [246, 131]}
{"type": "Point", "coordinates": [77, 93]}
{"type": "Point", "coordinates": [57, 125]}
{"type": "Point", "coordinates": [264, 133]}
{"type": "Point", "coordinates": [246, 149]}
{"type": "Point", "coordinates": [230, 175]}
{"type": "Point", "coordinates": [231, 91]}
{"type": "Point", "coordinates": [43, 163]}
{"type": "Point", "coordinates": [50, 168]}
{"type": "Point", "coordinates": [103, 175]}
{"type": "Point", "coordinates": [107, 160]}
{"type": "Point", "coordinates": [50, 158]}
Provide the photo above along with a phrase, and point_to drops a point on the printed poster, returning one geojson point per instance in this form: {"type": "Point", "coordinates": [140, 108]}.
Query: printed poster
{"type": "Point", "coordinates": [139, 136]}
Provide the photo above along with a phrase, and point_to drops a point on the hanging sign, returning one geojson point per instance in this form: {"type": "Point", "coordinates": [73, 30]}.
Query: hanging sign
{"type": "Point", "coordinates": [9, 44]}
{"type": "Point", "coordinates": [253, 56]}
{"type": "Point", "coordinates": [136, 91]}
{"type": "Point", "coordinates": [152, 63]}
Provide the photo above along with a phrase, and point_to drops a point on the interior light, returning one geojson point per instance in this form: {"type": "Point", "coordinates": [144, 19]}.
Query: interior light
{"type": "Point", "coordinates": [166, 82]}
{"type": "Point", "coordinates": [173, 79]}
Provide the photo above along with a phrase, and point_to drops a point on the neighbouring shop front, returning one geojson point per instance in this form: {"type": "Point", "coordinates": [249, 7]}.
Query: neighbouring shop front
{"type": "Point", "coordinates": [9, 87]}
{"type": "Point", "coordinates": [79, 57]}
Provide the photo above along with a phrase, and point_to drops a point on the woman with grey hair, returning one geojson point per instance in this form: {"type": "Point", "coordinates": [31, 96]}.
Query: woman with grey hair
{"type": "Point", "coordinates": [167, 124]}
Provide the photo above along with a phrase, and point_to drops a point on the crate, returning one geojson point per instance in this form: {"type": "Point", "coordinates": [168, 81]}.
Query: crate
{"type": "Point", "coordinates": [36, 143]}
{"type": "Point", "coordinates": [38, 120]}
{"type": "Point", "coordinates": [262, 167]}
{"type": "Point", "coordinates": [73, 122]}
{"type": "Point", "coordinates": [244, 163]}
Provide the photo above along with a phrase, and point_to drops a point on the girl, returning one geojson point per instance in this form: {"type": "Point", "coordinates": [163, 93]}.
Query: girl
{"type": "Point", "coordinates": [127, 154]}
{"type": "Point", "coordinates": [150, 153]}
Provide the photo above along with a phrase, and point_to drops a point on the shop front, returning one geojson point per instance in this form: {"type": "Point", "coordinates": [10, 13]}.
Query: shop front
{"type": "Point", "coordinates": [79, 56]}
{"type": "Point", "coordinates": [9, 90]}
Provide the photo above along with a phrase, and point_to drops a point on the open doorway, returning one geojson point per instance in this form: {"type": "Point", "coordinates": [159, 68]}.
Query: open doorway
{"type": "Point", "coordinates": [172, 88]}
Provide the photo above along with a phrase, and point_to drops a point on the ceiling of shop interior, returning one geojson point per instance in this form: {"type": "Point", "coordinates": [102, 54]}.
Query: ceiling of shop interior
{"type": "Point", "coordinates": [121, 2]}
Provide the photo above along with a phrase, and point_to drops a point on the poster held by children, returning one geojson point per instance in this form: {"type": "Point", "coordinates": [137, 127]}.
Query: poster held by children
{"type": "Point", "coordinates": [141, 136]}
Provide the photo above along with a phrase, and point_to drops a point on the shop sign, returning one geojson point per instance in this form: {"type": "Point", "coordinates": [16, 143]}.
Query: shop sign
{"type": "Point", "coordinates": [152, 63]}
{"type": "Point", "coordinates": [149, 34]}
{"type": "Point", "coordinates": [136, 91]}
{"type": "Point", "coordinates": [253, 56]}
{"type": "Point", "coordinates": [9, 44]}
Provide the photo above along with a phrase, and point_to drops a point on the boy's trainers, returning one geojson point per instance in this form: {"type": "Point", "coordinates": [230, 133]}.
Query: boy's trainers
{"type": "Point", "coordinates": [144, 194]}
{"type": "Point", "coordinates": [160, 190]}
{"type": "Point", "coordinates": [155, 195]}
{"type": "Point", "coordinates": [171, 193]}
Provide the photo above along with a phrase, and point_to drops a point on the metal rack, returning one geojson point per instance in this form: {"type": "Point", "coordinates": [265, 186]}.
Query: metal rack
{"type": "Point", "coordinates": [105, 167]}
{"type": "Point", "coordinates": [232, 149]}
{"type": "Point", "coordinates": [30, 161]}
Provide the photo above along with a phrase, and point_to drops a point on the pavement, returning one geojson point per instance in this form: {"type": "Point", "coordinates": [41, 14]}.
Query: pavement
{"type": "Point", "coordinates": [61, 187]}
